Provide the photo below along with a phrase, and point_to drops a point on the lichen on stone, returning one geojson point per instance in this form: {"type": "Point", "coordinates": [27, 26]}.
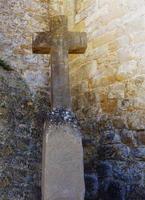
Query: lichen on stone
{"type": "Point", "coordinates": [60, 116]}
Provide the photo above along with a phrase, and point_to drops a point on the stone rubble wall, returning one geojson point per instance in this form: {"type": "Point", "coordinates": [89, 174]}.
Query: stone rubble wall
{"type": "Point", "coordinates": [20, 140]}
{"type": "Point", "coordinates": [108, 81]}
{"type": "Point", "coordinates": [18, 21]}
{"type": "Point", "coordinates": [108, 84]}
{"type": "Point", "coordinates": [108, 95]}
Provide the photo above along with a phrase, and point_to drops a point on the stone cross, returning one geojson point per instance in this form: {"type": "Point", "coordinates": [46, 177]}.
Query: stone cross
{"type": "Point", "coordinates": [59, 42]}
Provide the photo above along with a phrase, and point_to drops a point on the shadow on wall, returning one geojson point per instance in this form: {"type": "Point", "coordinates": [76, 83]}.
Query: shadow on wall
{"type": "Point", "coordinates": [108, 85]}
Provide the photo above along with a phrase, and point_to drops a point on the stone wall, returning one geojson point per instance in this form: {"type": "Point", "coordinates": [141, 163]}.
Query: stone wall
{"type": "Point", "coordinates": [20, 140]}
{"type": "Point", "coordinates": [18, 21]}
{"type": "Point", "coordinates": [108, 82]}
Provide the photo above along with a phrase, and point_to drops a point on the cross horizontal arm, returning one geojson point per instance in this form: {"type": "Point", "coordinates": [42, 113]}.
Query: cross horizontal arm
{"type": "Point", "coordinates": [77, 42]}
{"type": "Point", "coordinates": [41, 43]}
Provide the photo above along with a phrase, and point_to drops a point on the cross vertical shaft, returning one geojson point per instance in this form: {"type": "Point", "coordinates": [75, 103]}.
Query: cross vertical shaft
{"type": "Point", "coordinates": [59, 64]}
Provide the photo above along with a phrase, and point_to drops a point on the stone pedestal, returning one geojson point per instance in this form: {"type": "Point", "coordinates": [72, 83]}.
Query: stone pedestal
{"type": "Point", "coordinates": [63, 171]}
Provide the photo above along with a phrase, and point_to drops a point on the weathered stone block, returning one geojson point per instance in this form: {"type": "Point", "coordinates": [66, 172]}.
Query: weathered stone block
{"type": "Point", "coordinates": [63, 176]}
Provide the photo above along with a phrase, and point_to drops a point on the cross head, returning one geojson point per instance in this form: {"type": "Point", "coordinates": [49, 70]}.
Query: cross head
{"type": "Point", "coordinates": [59, 42]}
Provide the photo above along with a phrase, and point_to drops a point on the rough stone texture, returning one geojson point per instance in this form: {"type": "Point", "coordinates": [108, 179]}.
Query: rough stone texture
{"type": "Point", "coordinates": [21, 125]}
{"type": "Point", "coordinates": [18, 21]}
{"type": "Point", "coordinates": [107, 87]}
{"type": "Point", "coordinates": [56, 7]}
{"type": "Point", "coordinates": [91, 185]}
{"type": "Point", "coordinates": [119, 167]}
{"type": "Point", "coordinates": [59, 42]}
{"type": "Point", "coordinates": [107, 82]}
{"type": "Point", "coordinates": [63, 171]}
{"type": "Point", "coordinates": [127, 171]}
{"type": "Point", "coordinates": [59, 116]}
{"type": "Point", "coordinates": [109, 79]}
